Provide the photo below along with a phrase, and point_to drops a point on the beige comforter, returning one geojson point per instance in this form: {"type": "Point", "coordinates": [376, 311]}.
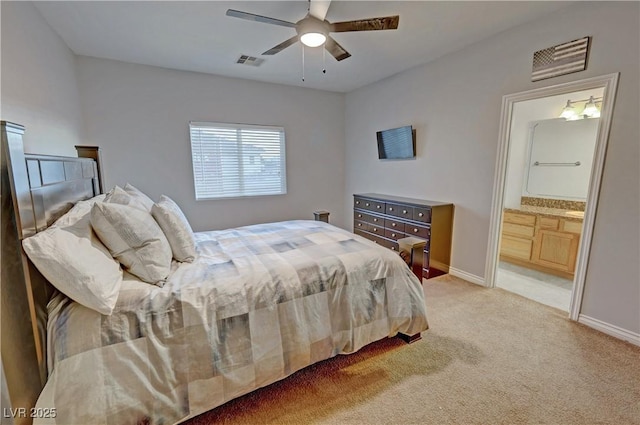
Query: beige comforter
{"type": "Point", "coordinates": [259, 303]}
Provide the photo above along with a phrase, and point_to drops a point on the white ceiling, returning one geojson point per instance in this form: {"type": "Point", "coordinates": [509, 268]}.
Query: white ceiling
{"type": "Point", "coordinates": [198, 36]}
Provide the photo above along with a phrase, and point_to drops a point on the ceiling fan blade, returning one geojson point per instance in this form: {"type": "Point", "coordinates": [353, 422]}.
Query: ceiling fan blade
{"type": "Point", "coordinates": [319, 8]}
{"type": "Point", "coordinates": [372, 24]}
{"type": "Point", "coordinates": [259, 18]}
{"type": "Point", "coordinates": [336, 50]}
{"type": "Point", "coordinates": [280, 47]}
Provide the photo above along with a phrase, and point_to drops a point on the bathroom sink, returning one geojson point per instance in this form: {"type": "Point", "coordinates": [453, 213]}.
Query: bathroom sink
{"type": "Point", "coordinates": [578, 214]}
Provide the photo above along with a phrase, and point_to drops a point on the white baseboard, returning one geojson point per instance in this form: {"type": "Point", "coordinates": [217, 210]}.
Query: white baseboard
{"type": "Point", "coordinates": [610, 329]}
{"type": "Point", "coordinates": [466, 276]}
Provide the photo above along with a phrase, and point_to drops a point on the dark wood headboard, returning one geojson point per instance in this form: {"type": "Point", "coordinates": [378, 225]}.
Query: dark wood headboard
{"type": "Point", "coordinates": [42, 188]}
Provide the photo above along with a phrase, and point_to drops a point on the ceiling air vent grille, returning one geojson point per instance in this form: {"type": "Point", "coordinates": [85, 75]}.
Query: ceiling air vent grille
{"type": "Point", "coordinates": [249, 60]}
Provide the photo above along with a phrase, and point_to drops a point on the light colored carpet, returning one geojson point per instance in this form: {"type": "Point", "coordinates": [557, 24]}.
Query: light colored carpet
{"type": "Point", "coordinates": [490, 357]}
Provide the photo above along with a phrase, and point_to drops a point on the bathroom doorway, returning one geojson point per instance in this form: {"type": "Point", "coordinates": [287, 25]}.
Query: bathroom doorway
{"type": "Point", "coordinates": [548, 172]}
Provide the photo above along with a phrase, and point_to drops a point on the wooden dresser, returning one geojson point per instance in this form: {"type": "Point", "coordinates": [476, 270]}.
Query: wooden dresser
{"type": "Point", "coordinates": [384, 219]}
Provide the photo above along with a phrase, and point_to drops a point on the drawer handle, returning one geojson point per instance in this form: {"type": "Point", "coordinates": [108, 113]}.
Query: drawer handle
{"type": "Point", "coordinates": [366, 205]}
{"type": "Point", "coordinates": [390, 208]}
{"type": "Point", "coordinates": [359, 215]}
{"type": "Point", "coordinates": [359, 224]}
{"type": "Point", "coordinates": [393, 235]}
{"type": "Point", "coordinates": [375, 229]}
{"type": "Point", "coordinates": [375, 219]}
{"type": "Point", "coordinates": [415, 230]}
{"type": "Point", "coordinates": [357, 202]}
{"type": "Point", "coordinates": [393, 224]}
{"type": "Point", "coordinates": [378, 206]}
{"type": "Point", "coordinates": [393, 248]}
{"type": "Point", "coordinates": [404, 211]}
{"type": "Point", "coordinates": [420, 214]}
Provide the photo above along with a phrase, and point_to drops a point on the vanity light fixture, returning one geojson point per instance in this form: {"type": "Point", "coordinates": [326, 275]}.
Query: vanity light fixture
{"type": "Point", "coordinates": [589, 110]}
{"type": "Point", "coordinates": [569, 112]}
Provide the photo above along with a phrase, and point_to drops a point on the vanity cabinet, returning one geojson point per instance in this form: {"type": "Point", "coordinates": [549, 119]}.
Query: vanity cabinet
{"type": "Point", "coordinates": [518, 231]}
{"type": "Point", "coordinates": [556, 250]}
{"type": "Point", "coordinates": [384, 219]}
{"type": "Point", "coordinates": [542, 242]}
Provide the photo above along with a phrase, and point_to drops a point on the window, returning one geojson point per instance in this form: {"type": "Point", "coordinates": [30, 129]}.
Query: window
{"type": "Point", "coordinates": [231, 160]}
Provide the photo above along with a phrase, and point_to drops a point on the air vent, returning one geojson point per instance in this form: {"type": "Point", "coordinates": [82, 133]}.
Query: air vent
{"type": "Point", "coordinates": [250, 60]}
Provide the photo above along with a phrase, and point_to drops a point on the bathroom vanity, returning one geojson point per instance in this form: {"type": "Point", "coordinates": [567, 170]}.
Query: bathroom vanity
{"type": "Point", "coordinates": [542, 238]}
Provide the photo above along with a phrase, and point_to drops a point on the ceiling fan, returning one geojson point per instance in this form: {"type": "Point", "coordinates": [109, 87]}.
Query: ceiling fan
{"type": "Point", "coordinates": [313, 30]}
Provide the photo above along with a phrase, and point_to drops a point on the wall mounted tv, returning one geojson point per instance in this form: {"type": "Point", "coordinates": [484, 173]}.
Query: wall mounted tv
{"type": "Point", "coordinates": [397, 143]}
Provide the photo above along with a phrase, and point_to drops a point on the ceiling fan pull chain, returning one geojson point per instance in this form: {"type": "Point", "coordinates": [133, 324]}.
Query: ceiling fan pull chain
{"type": "Point", "coordinates": [302, 61]}
{"type": "Point", "coordinates": [324, 62]}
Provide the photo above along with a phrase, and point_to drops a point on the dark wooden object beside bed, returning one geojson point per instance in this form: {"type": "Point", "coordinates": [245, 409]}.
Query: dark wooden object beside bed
{"type": "Point", "coordinates": [387, 219]}
{"type": "Point", "coordinates": [36, 191]}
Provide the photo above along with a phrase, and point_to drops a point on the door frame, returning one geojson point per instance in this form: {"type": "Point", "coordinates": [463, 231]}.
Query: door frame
{"type": "Point", "coordinates": [609, 83]}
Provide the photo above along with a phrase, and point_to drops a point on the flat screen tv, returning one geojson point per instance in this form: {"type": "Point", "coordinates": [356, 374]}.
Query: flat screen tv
{"type": "Point", "coordinates": [397, 143]}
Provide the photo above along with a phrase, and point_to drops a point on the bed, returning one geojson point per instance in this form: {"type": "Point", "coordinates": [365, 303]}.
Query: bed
{"type": "Point", "coordinates": [256, 304]}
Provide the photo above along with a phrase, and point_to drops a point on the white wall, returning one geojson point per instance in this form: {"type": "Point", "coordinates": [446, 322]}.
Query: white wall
{"type": "Point", "coordinates": [39, 88]}
{"type": "Point", "coordinates": [454, 102]}
{"type": "Point", "coordinates": [139, 115]}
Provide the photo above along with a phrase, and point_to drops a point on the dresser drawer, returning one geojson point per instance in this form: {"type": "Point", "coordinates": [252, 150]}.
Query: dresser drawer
{"type": "Point", "coordinates": [360, 225]}
{"type": "Point", "coordinates": [377, 229]}
{"type": "Point", "coordinates": [379, 240]}
{"type": "Point", "coordinates": [422, 214]}
{"type": "Point", "coordinates": [384, 242]}
{"type": "Point", "coordinates": [393, 234]}
{"type": "Point", "coordinates": [417, 231]}
{"type": "Point", "coordinates": [369, 218]}
{"type": "Point", "coordinates": [400, 210]}
{"type": "Point", "coordinates": [369, 204]}
{"type": "Point", "coordinates": [358, 202]}
{"type": "Point", "coordinates": [394, 225]}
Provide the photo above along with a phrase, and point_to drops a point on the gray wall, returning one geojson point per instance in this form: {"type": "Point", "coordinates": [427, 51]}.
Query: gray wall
{"type": "Point", "coordinates": [454, 102]}
{"type": "Point", "coordinates": [139, 115]}
{"type": "Point", "coordinates": [39, 84]}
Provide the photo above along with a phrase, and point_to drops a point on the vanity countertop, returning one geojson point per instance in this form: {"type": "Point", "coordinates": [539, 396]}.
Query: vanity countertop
{"type": "Point", "coordinates": [550, 212]}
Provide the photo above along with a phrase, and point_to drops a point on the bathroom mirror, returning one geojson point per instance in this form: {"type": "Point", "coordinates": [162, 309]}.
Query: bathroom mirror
{"type": "Point", "coordinates": [559, 158]}
{"type": "Point", "coordinates": [538, 134]}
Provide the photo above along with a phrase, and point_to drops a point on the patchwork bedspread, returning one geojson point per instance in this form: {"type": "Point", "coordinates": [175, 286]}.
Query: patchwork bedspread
{"type": "Point", "coordinates": [259, 303]}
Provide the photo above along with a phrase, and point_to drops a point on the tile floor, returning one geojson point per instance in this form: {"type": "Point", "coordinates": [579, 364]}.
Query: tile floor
{"type": "Point", "coordinates": [547, 289]}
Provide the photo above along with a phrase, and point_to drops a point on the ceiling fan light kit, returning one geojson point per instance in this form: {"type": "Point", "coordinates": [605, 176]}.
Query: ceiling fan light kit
{"type": "Point", "coordinates": [313, 31]}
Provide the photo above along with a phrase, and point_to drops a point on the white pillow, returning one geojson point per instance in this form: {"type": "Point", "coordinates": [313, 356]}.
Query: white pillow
{"type": "Point", "coordinates": [176, 228]}
{"type": "Point", "coordinates": [118, 195]}
{"type": "Point", "coordinates": [134, 239]}
{"type": "Point", "coordinates": [79, 211]}
{"type": "Point", "coordinates": [74, 260]}
{"type": "Point", "coordinates": [139, 196]}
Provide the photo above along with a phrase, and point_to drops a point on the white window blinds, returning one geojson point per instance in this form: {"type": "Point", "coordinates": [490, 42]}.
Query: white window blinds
{"type": "Point", "coordinates": [231, 160]}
